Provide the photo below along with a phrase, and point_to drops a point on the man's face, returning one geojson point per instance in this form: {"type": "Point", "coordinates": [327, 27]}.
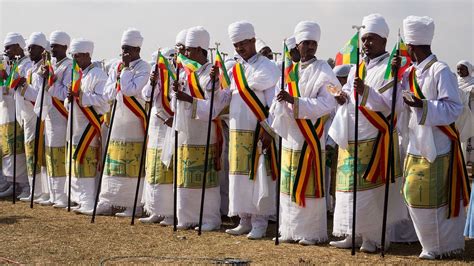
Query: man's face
{"type": "Point", "coordinates": [267, 52]}
{"type": "Point", "coordinates": [245, 48]}
{"type": "Point", "coordinates": [193, 53]}
{"type": "Point", "coordinates": [295, 55]}
{"type": "Point", "coordinates": [373, 45]}
{"type": "Point", "coordinates": [411, 52]}
{"type": "Point", "coordinates": [57, 50]}
{"type": "Point", "coordinates": [132, 51]}
{"type": "Point", "coordinates": [462, 71]}
{"type": "Point", "coordinates": [307, 48]}
{"type": "Point", "coordinates": [180, 48]}
{"type": "Point", "coordinates": [82, 59]}
{"type": "Point", "coordinates": [35, 52]}
{"type": "Point", "coordinates": [12, 50]}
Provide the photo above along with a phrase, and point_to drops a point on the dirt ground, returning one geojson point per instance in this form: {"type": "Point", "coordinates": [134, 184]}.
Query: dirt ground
{"type": "Point", "coordinates": [45, 235]}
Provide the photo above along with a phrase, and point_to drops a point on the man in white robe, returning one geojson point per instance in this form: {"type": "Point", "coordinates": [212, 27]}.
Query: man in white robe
{"type": "Point", "coordinates": [434, 105]}
{"type": "Point", "coordinates": [14, 44]}
{"type": "Point", "coordinates": [89, 100]}
{"type": "Point", "coordinates": [375, 94]}
{"type": "Point", "coordinates": [465, 121]}
{"type": "Point", "coordinates": [305, 104]}
{"type": "Point", "coordinates": [125, 83]}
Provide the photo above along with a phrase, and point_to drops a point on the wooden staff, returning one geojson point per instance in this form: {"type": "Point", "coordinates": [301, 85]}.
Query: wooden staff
{"type": "Point", "coordinates": [356, 146]}
{"type": "Point", "coordinates": [175, 158]}
{"type": "Point", "coordinates": [206, 156]}
{"type": "Point", "coordinates": [37, 131]}
{"type": "Point", "coordinates": [71, 115]}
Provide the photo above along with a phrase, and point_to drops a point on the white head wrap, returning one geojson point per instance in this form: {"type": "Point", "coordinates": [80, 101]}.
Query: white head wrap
{"type": "Point", "coordinates": [307, 31]}
{"type": "Point", "coordinates": [375, 23]}
{"type": "Point", "coordinates": [38, 38]}
{"type": "Point", "coordinates": [60, 37]}
{"type": "Point", "coordinates": [167, 52]}
{"type": "Point", "coordinates": [240, 30]}
{"type": "Point", "coordinates": [198, 37]}
{"type": "Point", "coordinates": [181, 37]}
{"type": "Point", "coordinates": [342, 70]}
{"type": "Point", "coordinates": [132, 37]}
{"type": "Point", "coordinates": [259, 45]}
{"type": "Point", "coordinates": [14, 38]}
{"type": "Point", "coordinates": [418, 30]}
{"type": "Point", "coordinates": [82, 45]}
{"type": "Point", "coordinates": [290, 42]}
{"type": "Point", "coordinates": [467, 65]}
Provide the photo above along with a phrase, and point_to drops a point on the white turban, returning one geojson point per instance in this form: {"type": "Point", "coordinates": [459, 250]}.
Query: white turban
{"type": "Point", "coordinates": [259, 45]}
{"type": "Point", "coordinates": [181, 37]}
{"type": "Point", "coordinates": [197, 37]}
{"type": "Point", "coordinates": [240, 30]}
{"type": "Point", "coordinates": [14, 38]}
{"type": "Point", "coordinates": [467, 65]}
{"type": "Point", "coordinates": [82, 46]}
{"type": "Point", "coordinates": [342, 70]}
{"type": "Point", "coordinates": [38, 38]}
{"type": "Point", "coordinates": [60, 37]}
{"type": "Point", "coordinates": [375, 23]}
{"type": "Point", "coordinates": [291, 42]}
{"type": "Point", "coordinates": [132, 37]}
{"type": "Point", "coordinates": [418, 30]}
{"type": "Point", "coordinates": [307, 31]}
{"type": "Point", "coordinates": [168, 52]}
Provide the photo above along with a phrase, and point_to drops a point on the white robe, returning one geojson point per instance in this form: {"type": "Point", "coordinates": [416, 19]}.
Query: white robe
{"type": "Point", "coordinates": [119, 186]}
{"type": "Point", "coordinates": [437, 234]}
{"type": "Point", "coordinates": [376, 97]}
{"type": "Point", "coordinates": [308, 222]}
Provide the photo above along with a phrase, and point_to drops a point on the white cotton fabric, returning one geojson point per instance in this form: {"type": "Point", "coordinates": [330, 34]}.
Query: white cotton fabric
{"type": "Point", "coordinates": [240, 30]}
{"type": "Point", "coordinates": [132, 37]}
{"type": "Point", "coordinates": [60, 37]}
{"type": "Point", "coordinates": [290, 42]}
{"type": "Point", "coordinates": [14, 38]}
{"type": "Point", "coordinates": [181, 37]}
{"type": "Point", "coordinates": [260, 44]}
{"type": "Point", "coordinates": [307, 31]}
{"type": "Point", "coordinates": [418, 30]}
{"type": "Point", "coordinates": [82, 46]}
{"type": "Point", "coordinates": [38, 38]}
{"type": "Point", "coordinates": [375, 23]}
{"type": "Point", "coordinates": [198, 37]}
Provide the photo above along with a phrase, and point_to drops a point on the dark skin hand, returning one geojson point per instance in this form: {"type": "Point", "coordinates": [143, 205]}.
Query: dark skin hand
{"type": "Point", "coordinates": [342, 98]}
{"type": "Point", "coordinates": [266, 140]}
{"type": "Point", "coordinates": [418, 103]}
{"type": "Point", "coordinates": [180, 95]}
{"type": "Point", "coordinates": [83, 61]}
{"type": "Point", "coordinates": [267, 52]}
{"type": "Point", "coordinates": [129, 54]}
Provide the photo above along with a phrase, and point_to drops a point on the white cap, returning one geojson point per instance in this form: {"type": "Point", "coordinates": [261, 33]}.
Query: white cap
{"type": "Point", "coordinates": [38, 38]}
{"type": "Point", "coordinates": [342, 70]}
{"type": "Point", "coordinates": [418, 30]}
{"type": "Point", "coordinates": [307, 31]}
{"type": "Point", "coordinates": [240, 30]}
{"type": "Point", "coordinates": [14, 38]}
{"type": "Point", "coordinates": [260, 44]}
{"type": "Point", "coordinates": [197, 37]}
{"type": "Point", "coordinates": [60, 37]}
{"type": "Point", "coordinates": [290, 42]}
{"type": "Point", "coordinates": [181, 37]}
{"type": "Point", "coordinates": [375, 23]}
{"type": "Point", "coordinates": [82, 45]}
{"type": "Point", "coordinates": [132, 37]}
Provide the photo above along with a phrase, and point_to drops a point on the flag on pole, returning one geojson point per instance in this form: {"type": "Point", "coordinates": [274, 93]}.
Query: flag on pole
{"type": "Point", "coordinates": [76, 77]}
{"type": "Point", "coordinates": [50, 73]}
{"type": "Point", "coordinates": [288, 63]}
{"type": "Point", "coordinates": [3, 75]}
{"type": "Point", "coordinates": [14, 77]}
{"type": "Point", "coordinates": [188, 64]}
{"type": "Point", "coordinates": [164, 64]}
{"type": "Point", "coordinates": [406, 60]}
{"type": "Point", "coordinates": [348, 54]}
{"type": "Point", "coordinates": [223, 76]}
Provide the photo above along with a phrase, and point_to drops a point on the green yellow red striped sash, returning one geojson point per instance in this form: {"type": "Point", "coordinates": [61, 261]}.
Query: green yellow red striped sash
{"type": "Point", "coordinates": [92, 129]}
{"type": "Point", "coordinates": [458, 178]}
{"type": "Point", "coordinates": [60, 106]}
{"type": "Point", "coordinates": [261, 113]}
{"type": "Point", "coordinates": [165, 91]}
{"type": "Point", "coordinates": [311, 155]}
{"type": "Point", "coordinates": [130, 101]}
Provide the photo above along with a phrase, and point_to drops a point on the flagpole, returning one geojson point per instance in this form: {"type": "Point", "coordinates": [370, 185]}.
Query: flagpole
{"type": "Point", "coordinates": [14, 136]}
{"type": "Point", "coordinates": [280, 148]}
{"type": "Point", "coordinates": [356, 145]}
{"type": "Point", "coordinates": [37, 133]}
{"type": "Point", "coordinates": [175, 159]}
{"type": "Point", "coordinates": [390, 174]}
{"type": "Point", "coordinates": [145, 141]}
{"type": "Point", "coordinates": [71, 113]}
{"type": "Point", "coordinates": [206, 156]}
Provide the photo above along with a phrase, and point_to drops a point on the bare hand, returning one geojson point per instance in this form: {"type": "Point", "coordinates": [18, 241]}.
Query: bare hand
{"type": "Point", "coordinates": [44, 71]}
{"type": "Point", "coordinates": [183, 96]}
{"type": "Point", "coordinates": [175, 85]}
{"type": "Point", "coordinates": [169, 122]}
{"type": "Point", "coordinates": [359, 85]}
{"type": "Point", "coordinates": [266, 140]}
{"type": "Point", "coordinates": [126, 58]}
{"type": "Point", "coordinates": [396, 62]}
{"type": "Point", "coordinates": [153, 78]}
{"type": "Point", "coordinates": [285, 96]}
{"type": "Point", "coordinates": [342, 98]}
{"type": "Point", "coordinates": [417, 102]}
{"type": "Point", "coordinates": [214, 72]}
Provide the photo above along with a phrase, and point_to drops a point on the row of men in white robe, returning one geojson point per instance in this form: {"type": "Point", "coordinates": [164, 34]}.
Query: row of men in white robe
{"type": "Point", "coordinates": [303, 224]}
